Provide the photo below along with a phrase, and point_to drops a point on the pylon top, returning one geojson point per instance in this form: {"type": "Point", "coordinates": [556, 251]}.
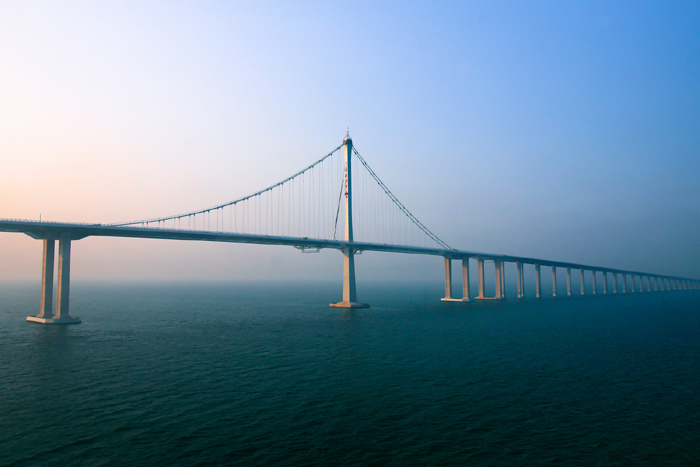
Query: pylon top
{"type": "Point", "coordinates": [347, 134]}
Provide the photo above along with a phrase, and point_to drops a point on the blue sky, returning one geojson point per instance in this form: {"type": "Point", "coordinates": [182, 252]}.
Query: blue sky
{"type": "Point", "coordinates": [561, 130]}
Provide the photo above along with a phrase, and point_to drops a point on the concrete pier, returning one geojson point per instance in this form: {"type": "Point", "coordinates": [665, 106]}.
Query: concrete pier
{"type": "Point", "coordinates": [519, 266]}
{"type": "Point", "coordinates": [583, 285]}
{"type": "Point", "coordinates": [614, 282]}
{"type": "Point", "coordinates": [62, 316]}
{"type": "Point", "coordinates": [499, 293]}
{"type": "Point", "coordinates": [595, 286]}
{"type": "Point", "coordinates": [554, 281]}
{"type": "Point", "coordinates": [503, 279]}
{"type": "Point", "coordinates": [538, 286]}
{"type": "Point", "coordinates": [568, 281]}
{"type": "Point", "coordinates": [46, 306]}
{"type": "Point", "coordinates": [605, 282]}
{"type": "Point", "coordinates": [480, 268]}
{"type": "Point", "coordinates": [498, 270]}
{"type": "Point", "coordinates": [465, 279]}
{"type": "Point", "coordinates": [448, 281]}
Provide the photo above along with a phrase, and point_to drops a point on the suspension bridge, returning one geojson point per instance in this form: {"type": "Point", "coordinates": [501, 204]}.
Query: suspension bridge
{"type": "Point", "coordinates": [337, 202]}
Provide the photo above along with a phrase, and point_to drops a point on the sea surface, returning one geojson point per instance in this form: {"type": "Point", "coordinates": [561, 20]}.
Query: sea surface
{"type": "Point", "coordinates": [185, 374]}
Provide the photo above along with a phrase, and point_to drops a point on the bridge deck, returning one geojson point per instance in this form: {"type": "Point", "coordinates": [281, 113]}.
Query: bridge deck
{"type": "Point", "coordinates": [41, 230]}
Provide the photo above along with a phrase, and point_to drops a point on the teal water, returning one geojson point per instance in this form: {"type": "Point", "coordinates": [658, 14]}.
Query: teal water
{"type": "Point", "coordinates": [268, 374]}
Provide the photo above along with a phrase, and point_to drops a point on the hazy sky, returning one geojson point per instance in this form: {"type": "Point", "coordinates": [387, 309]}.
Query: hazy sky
{"type": "Point", "coordinates": [561, 130]}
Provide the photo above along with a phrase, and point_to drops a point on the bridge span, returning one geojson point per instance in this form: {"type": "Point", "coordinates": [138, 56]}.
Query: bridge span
{"type": "Point", "coordinates": [282, 213]}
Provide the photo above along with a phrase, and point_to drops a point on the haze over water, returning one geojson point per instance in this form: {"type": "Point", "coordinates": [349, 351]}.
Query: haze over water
{"type": "Point", "coordinates": [268, 374]}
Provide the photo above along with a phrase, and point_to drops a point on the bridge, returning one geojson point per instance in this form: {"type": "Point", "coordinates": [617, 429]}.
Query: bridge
{"type": "Point", "coordinates": [304, 211]}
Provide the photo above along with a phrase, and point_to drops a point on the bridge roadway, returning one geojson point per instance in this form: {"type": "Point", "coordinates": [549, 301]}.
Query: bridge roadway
{"type": "Point", "coordinates": [66, 232]}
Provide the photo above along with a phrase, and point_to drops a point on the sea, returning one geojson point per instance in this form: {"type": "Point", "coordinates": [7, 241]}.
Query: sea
{"type": "Point", "coordinates": [251, 373]}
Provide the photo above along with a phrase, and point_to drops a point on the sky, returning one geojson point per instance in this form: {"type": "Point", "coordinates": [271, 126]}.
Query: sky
{"type": "Point", "coordinates": [558, 130]}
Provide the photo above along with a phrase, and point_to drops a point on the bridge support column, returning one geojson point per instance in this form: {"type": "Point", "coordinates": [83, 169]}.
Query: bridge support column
{"type": "Point", "coordinates": [632, 282]}
{"type": "Point", "coordinates": [595, 285]}
{"type": "Point", "coordinates": [46, 307]}
{"type": "Point", "coordinates": [614, 282]}
{"type": "Point", "coordinates": [45, 315]}
{"type": "Point", "coordinates": [349, 287]}
{"type": "Point", "coordinates": [538, 287]}
{"type": "Point", "coordinates": [498, 275]}
{"type": "Point", "coordinates": [568, 281]}
{"type": "Point", "coordinates": [498, 269]}
{"type": "Point", "coordinates": [554, 281]}
{"type": "Point", "coordinates": [605, 283]}
{"type": "Point", "coordinates": [624, 283]}
{"type": "Point", "coordinates": [480, 267]}
{"type": "Point", "coordinates": [503, 280]}
{"type": "Point", "coordinates": [521, 283]}
{"type": "Point", "coordinates": [583, 285]}
{"type": "Point", "coordinates": [656, 284]}
{"type": "Point", "coordinates": [465, 279]}
{"type": "Point", "coordinates": [448, 281]}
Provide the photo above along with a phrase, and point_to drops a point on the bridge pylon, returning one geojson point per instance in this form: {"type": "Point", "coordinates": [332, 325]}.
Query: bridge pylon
{"type": "Point", "coordinates": [349, 286]}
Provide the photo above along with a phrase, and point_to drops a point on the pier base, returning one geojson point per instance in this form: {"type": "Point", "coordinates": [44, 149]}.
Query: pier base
{"type": "Point", "coordinates": [56, 320]}
{"type": "Point", "coordinates": [350, 305]}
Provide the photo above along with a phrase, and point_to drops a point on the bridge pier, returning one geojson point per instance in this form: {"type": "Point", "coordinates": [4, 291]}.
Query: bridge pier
{"type": "Point", "coordinates": [498, 272]}
{"type": "Point", "coordinates": [595, 286]}
{"type": "Point", "coordinates": [568, 281]}
{"type": "Point", "coordinates": [554, 281]}
{"type": "Point", "coordinates": [480, 270]}
{"type": "Point", "coordinates": [614, 282]}
{"type": "Point", "coordinates": [605, 283]}
{"type": "Point", "coordinates": [583, 285]}
{"type": "Point", "coordinates": [521, 281]}
{"type": "Point", "coordinates": [448, 281]}
{"type": "Point", "coordinates": [46, 315]}
{"type": "Point", "coordinates": [465, 279]}
{"type": "Point", "coordinates": [538, 286]}
{"type": "Point", "coordinates": [349, 286]}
